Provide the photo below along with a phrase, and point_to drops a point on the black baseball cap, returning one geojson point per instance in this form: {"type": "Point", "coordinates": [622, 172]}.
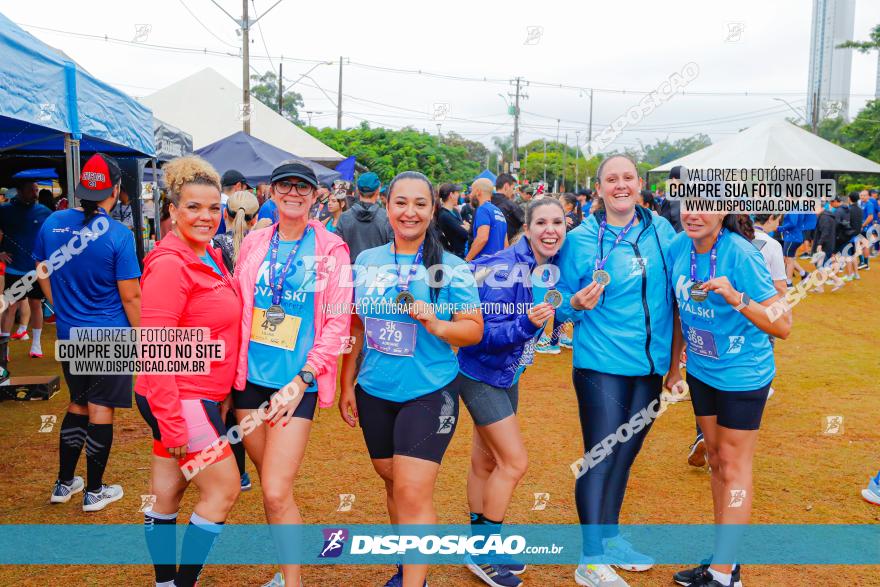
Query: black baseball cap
{"type": "Point", "coordinates": [232, 177]}
{"type": "Point", "coordinates": [675, 172]}
{"type": "Point", "coordinates": [298, 170]}
{"type": "Point", "coordinates": [99, 175]}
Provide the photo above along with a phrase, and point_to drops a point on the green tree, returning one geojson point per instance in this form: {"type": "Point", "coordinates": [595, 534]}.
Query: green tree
{"type": "Point", "coordinates": [864, 46]}
{"type": "Point", "coordinates": [664, 151]}
{"type": "Point", "coordinates": [265, 89]}
{"type": "Point", "coordinates": [388, 152]}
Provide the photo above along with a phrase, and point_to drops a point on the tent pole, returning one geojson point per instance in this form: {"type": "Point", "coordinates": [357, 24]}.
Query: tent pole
{"type": "Point", "coordinates": [157, 211]}
{"type": "Point", "coordinates": [71, 161]}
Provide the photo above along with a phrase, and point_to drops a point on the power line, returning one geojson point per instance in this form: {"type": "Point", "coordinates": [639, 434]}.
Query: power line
{"type": "Point", "coordinates": [204, 26]}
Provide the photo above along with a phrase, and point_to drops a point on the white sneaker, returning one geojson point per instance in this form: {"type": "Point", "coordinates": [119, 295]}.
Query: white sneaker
{"type": "Point", "coordinates": [770, 393]}
{"type": "Point", "coordinates": [621, 554]}
{"type": "Point", "coordinates": [591, 575]}
{"type": "Point", "coordinates": [61, 493]}
{"type": "Point", "coordinates": [93, 502]}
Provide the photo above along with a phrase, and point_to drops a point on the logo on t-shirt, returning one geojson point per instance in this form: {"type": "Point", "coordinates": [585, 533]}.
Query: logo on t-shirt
{"type": "Point", "coordinates": [735, 344]}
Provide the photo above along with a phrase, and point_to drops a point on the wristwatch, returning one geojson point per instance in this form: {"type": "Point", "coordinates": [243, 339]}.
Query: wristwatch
{"type": "Point", "coordinates": [307, 376]}
{"type": "Point", "coordinates": [744, 301]}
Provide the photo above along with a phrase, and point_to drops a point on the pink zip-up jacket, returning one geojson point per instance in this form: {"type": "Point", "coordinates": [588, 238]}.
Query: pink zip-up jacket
{"type": "Point", "coordinates": [333, 297]}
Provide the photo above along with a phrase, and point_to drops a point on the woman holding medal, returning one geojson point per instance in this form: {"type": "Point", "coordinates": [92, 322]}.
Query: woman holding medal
{"type": "Point", "coordinates": [416, 303]}
{"type": "Point", "coordinates": [723, 288]}
{"type": "Point", "coordinates": [615, 283]}
{"type": "Point", "coordinates": [490, 371]}
{"type": "Point", "coordinates": [287, 275]}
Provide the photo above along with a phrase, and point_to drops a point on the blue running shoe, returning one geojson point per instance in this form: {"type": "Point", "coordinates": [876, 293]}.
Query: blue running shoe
{"type": "Point", "coordinates": [514, 567]}
{"type": "Point", "coordinates": [872, 493]}
{"type": "Point", "coordinates": [494, 575]}
{"type": "Point", "coordinates": [620, 553]}
{"type": "Point", "coordinates": [565, 341]}
{"type": "Point", "coordinates": [397, 579]}
{"type": "Point", "coordinates": [245, 482]}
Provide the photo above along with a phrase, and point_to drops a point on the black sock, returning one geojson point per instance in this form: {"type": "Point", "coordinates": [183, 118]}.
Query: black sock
{"type": "Point", "coordinates": [476, 520]}
{"type": "Point", "coordinates": [197, 543]}
{"type": "Point", "coordinates": [71, 441]}
{"type": "Point", "coordinates": [237, 447]}
{"type": "Point", "coordinates": [159, 530]}
{"type": "Point", "coordinates": [98, 443]}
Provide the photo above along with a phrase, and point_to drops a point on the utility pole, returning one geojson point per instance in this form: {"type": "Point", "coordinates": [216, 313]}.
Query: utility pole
{"type": "Point", "coordinates": [590, 128]}
{"type": "Point", "coordinates": [245, 25]}
{"type": "Point", "coordinates": [545, 162]}
{"type": "Point", "coordinates": [339, 98]}
{"type": "Point", "coordinates": [245, 69]}
{"type": "Point", "coordinates": [564, 158]}
{"type": "Point", "coordinates": [280, 89]}
{"type": "Point", "coordinates": [519, 82]}
{"type": "Point", "coordinates": [577, 156]}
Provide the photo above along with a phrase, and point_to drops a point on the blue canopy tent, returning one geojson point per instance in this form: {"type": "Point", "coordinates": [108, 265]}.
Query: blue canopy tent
{"type": "Point", "coordinates": [256, 159]}
{"type": "Point", "coordinates": [487, 175]}
{"type": "Point", "coordinates": [50, 106]}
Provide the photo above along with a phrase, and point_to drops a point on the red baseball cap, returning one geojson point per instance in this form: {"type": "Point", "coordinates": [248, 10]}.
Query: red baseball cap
{"type": "Point", "coordinates": [99, 175]}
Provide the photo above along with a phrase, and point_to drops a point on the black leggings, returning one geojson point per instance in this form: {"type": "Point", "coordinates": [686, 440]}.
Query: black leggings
{"type": "Point", "coordinates": [605, 402]}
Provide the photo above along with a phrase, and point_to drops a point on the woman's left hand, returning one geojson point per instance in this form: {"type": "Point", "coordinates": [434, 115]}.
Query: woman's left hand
{"type": "Point", "coordinates": [424, 313]}
{"type": "Point", "coordinates": [284, 402]}
{"type": "Point", "coordinates": [723, 287]}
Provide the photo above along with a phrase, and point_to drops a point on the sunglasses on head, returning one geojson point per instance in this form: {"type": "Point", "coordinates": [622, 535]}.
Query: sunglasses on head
{"type": "Point", "coordinates": [284, 187]}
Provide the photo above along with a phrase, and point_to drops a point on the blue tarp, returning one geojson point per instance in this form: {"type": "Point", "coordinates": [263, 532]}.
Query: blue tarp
{"type": "Point", "coordinates": [47, 173]}
{"type": "Point", "coordinates": [45, 95]}
{"type": "Point", "coordinates": [255, 159]}
{"type": "Point", "coordinates": [488, 175]}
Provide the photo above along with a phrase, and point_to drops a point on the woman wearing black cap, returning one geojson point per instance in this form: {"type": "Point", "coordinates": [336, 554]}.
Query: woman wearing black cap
{"type": "Point", "coordinates": [98, 287]}
{"type": "Point", "coordinates": [287, 275]}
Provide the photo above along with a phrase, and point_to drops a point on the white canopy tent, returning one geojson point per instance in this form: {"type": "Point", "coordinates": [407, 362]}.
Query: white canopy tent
{"type": "Point", "coordinates": [776, 143]}
{"type": "Point", "coordinates": [208, 106]}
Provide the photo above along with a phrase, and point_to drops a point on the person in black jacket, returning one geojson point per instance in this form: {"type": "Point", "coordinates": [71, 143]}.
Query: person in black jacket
{"type": "Point", "coordinates": [453, 230]}
{"type": "Point", "coordinates": [503, 198]}
{"type": "Point", "coordinates": [670, 209]}
{"type": "Point", "coordinates": [826, 240]}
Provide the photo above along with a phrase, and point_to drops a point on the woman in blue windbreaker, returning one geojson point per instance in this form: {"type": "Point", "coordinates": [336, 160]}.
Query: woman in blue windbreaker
{"type": "Point", "coordinates": [489, 371]}
{"type": "Point", "coordinates": [616, 288]}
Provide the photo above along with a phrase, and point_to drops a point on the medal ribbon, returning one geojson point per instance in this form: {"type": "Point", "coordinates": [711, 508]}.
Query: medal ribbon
{"type": "Point", "coordinates": [403, 281]}
{"type": "Point", "coordinates": [601, 264]}
{"type": "Point", "coordinates": [713, 257]}
{"type": "Point", "coordinates": [278, 285]}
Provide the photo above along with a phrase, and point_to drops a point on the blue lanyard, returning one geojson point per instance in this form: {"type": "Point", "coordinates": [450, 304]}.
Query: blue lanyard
{"type": "Point", "coordinates": [713, 257]}
{"type": "Point", "coordinates": [278, 285]}
{"type": "Point", "coordinates": [602, 225]}
{"type": "Point", "coordinates": [403, 281]}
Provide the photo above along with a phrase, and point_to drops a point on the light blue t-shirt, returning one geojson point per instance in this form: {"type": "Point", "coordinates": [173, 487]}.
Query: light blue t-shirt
{"type": "Point", "coordinates": [629, 332]}
{"type": "Point", "coordinates": [433, 364]}
{"type": "Point", "coordinates": [209, 261]}
{"type": "Point", "coordinates": [272, 366]}
{"type": "Point", "coordinates": [725, 350]}
{"type": "Point", "coordinates": [488, 214]}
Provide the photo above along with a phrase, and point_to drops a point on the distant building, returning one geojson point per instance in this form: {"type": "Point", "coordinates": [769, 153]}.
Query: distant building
{"type": "Point", "coordinates": [830, 68]}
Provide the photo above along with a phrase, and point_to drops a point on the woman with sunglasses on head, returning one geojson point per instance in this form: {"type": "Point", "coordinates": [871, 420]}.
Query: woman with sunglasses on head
{"type": "Point", "coordinates": [336, 205]}
{"type": "Point", "coordinates": [416, 303]}
{"type": "Point", "coordinates": [287, 274]}
{"type": "Point", "coordinates": [185, 285]}
{"type": "Point", "coordinates": [723, 289]}
{"type": "Point", "coordinates": [615, 283]}
{"type": "Point", "coordinates": [490, 372]}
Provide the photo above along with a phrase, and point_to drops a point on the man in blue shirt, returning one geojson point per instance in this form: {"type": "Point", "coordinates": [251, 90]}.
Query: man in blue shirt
{"type": "Point", "coordinates": [870, 213]}
{"type": "Point", "coordinates": [20, 222]}
{"type": "Point", "coordinates": [490, 227]}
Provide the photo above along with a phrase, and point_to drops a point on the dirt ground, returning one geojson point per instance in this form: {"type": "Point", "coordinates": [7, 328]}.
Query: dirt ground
{"type": "Point", "coordinates": [829, 366]}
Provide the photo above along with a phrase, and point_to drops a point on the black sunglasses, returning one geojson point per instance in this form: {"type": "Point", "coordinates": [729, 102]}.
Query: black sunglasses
{"type": "Point", "coordinates": [284, 187]}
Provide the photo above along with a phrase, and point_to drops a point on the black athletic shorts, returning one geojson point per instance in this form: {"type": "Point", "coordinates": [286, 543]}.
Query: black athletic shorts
{"type": "Point", "coordinates": [33, 293]}
{"type": "Point", "coordinates": [112, 391]}
{"type": "Point", "coordinates": [253, 396]}
{"type": "Point", "coordinates": [421, 428]}
{"type": "Point", "coordinates": [789, 248]}
{"type": "Point", "coordinates": [738, 410]}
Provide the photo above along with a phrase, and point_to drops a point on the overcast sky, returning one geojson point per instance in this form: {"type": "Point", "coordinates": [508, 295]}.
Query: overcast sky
{"type": "Point", "coordinates": [755, 46]}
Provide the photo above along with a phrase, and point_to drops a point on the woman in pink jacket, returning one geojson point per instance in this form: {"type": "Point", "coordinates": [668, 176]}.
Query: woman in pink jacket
{"type": "Point", "coordinates": [185, 285]}
{"type": "Point", "coordinates": [295, 284]}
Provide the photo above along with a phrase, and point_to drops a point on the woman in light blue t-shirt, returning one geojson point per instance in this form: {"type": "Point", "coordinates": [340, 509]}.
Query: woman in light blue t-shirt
{"type": "Point", "coordinates": [414, 302]}
{"type": "Point", "coordinates": [724, 292]}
